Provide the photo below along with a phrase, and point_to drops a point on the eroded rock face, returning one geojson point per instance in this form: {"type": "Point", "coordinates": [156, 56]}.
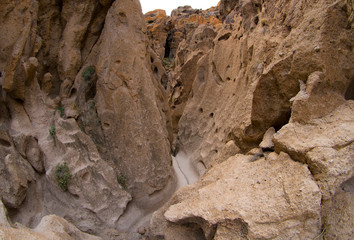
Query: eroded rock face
{"type": "Point", "coordinates": [157, 27]}
{"type": "Point", "coordinates": [77, 87]}
{"type": "Point", "coordinates": [51, 227]}
{"type": "Point", "coordinates": [166, 33]}
{"type": "Point", "coordinates": [272, 197]}
{"type": "Point", "coordinates": [241, 84]}
{"type": "Point", "coordinates": [82, 84]}
{"type": "Point", "coordinates": [284, 71]}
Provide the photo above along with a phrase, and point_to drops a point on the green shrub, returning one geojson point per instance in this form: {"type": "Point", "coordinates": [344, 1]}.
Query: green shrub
{"type": "Point", "coordinates": [88, 72]}
{"type": "Point", "coordinates": [63, 176]}
{"type": "Point", "coordinates": [167, 63]}
{"type": "Point", "coordinates": [61, 110]}
{"type": "Point", "coordinates": [52, 131]}
{"type": "Point", "coordinates": [122, 180]}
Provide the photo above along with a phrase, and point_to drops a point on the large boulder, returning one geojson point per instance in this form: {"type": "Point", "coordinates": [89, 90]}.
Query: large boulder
{"type": "Point", "coordinates": [271, 198]}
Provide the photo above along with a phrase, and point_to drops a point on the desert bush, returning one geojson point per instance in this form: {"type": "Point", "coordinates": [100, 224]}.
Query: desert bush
{"type": "Point", "coordinates": [63, 176]}
{"type": "Point", "coordinates": [122, 180]}
{"type": "Point", "coordinates": [88, 72]}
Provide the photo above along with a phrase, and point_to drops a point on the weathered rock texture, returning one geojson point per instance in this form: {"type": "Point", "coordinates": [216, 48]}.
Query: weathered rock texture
{"type": "Point", "coordinates": [240, 84]}
{"type": "Point", "coordinates": [51, 227]}
{"type": "Point", "coordinates": [165, 33]}
{"type": "Point", "coordinates": [281, 66]}
{"type": "Point", "coordinates": [258, 94]}
{"type": "Point", "coordinates": [272, 198]}
{"type": "Point", "coordinates": [77, 86]}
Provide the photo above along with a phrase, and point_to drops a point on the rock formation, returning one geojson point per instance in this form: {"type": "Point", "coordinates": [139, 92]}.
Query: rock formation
{"type": "Point", "coordinates": [281, 71]}
{"type": "Point", "coordinates": [255, 97]}
{"type": "Point", "coordinates": [77, 87]}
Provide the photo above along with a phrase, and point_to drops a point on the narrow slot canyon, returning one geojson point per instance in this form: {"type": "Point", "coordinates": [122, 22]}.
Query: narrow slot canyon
{"type": "Point", "coordinates": [234, 121]}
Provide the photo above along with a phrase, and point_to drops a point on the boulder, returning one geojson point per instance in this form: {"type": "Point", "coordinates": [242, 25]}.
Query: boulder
{"type": "Point", "coordinates": [325, 144]}
{"type": "Point", "coordinates": [273, 198]}
{"type": "Point", "coordinates": [267, 142]}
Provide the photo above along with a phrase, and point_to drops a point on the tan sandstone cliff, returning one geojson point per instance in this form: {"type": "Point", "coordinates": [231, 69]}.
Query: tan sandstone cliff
{"type": "Point", "coordinates": [258, 95]}
{"type": "Point", "coordinates": [277, 71]}
{"type": "Point", "coordinates": [77, 87]}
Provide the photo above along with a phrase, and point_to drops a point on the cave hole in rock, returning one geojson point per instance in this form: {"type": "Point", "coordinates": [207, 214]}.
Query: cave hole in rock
{"type": "Point", "coordinates": [156, 72]}
{"type": "Point", "coordinates": [349, 94]}
{"type": "Point", "coordinates": [72, 93]}
{"type": "Point", "coordinates": [225, 36]}
{"type": "Point", "coordinates": [256, 20]}
{"type": "Point", "coordinates": [201, 110]}
{"type": "Point", "coordinates": [282, 120]}
{"type": "Point", "coordinates": [211, 115]}
{"type": "Point", "coordinates": [5, 143]}
{"type": "Point", "coordinates": [151, 60]}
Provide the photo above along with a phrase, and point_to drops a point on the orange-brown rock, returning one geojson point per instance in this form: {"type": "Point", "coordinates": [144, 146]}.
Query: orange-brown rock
{"type": "Point", "coordinates": [167, 32]}
{"type": "Point", "coordinates": [157, 27]}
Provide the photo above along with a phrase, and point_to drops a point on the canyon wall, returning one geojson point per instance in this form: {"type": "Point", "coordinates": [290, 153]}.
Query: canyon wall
{"type": "Point", "coordinates": [77, 87]}
{"type": "Point", "coordinates": [96, 97]}
{"type": "Point", "coordinates": [266, 94]}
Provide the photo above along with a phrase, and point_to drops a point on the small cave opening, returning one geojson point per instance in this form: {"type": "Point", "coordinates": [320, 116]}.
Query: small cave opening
{"type": "Point", "coordinates": [282, 120]}
{"type": "Point", "coordinates": [256, 20]}
{"type": "Point", "coordinates": [156, 73]}
{"type": "Point", "coordinates": [225, 36]}
{"type": "Point", "coordinates": [72, 93]}
{"type": "Point", "coordinates": [5, 143]}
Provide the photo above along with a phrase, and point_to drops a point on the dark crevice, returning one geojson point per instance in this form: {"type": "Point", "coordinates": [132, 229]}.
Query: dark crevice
{"type": "Point", "coordinates": [156, 72]}
{"type": "Point", "coordinates": [168, 45]}
{"type": "Point", "coordinates": [225, 36]}
{"type": "Point", "coordinates": [282, 120]}
{"type": "Point", "coordinates": [349, 94]}
{"type": "Point", "coordinates": [256, 20]}
{"type": "Point", "coordinates": [5, 143]}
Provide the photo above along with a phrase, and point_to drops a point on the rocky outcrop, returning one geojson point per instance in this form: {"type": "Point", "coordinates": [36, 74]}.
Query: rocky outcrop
{"type": "Point", "coordinates": [273, 77]}
{"type": "Point", "coordinates": [241, 81]}
{"type": "Point", "coordinates": [258, 95]}
{"type": "Point", "coordinates": [271, 198]}
{"type": "Point", "coordinates": [165, 33]}
{"type": "Point", "coordinates": [51, 227]}
{"type": "Point", "coordinates": [157, 28]}
{"type": "Point", "coordinates": [77, 87]}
